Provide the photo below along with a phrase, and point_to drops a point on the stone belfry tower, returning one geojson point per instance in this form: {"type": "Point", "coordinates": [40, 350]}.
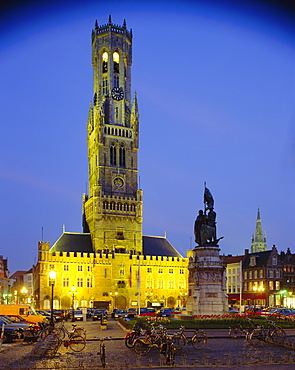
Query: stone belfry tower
{"type": "Point", "coordinates": [112, 211]}
{"type": "Point", "coordinates": [258, 239]}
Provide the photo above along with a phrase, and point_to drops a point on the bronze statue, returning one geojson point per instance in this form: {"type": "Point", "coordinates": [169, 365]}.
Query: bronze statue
{"type": "Point", "coordinates": [205, 225]}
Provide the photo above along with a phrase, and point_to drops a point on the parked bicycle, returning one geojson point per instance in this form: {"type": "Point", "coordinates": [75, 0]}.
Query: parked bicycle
{"type": "Point", "coordinates": [168, 350]}
{"type": "Point", "coordinates": [63, 332]}
{"type": "Point", "coordinates": [198, 340]}
{"type": "Point", "coordinates": [32, 335]}
{"type": "Point", "coordinates": [272, 332]}
{"type": "Point", "coordinates": [241, 330]}
{"type": "Point", "coordinates": [152, 339]}
{"type": "Point", "coordinates": [102, 350]}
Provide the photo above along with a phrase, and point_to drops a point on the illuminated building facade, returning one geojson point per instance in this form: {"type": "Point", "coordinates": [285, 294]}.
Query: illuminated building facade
{"type": "Point", "coordinates": [111, 260]}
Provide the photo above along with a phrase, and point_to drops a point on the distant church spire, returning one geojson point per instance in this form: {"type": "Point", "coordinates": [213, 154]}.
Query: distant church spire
{"type": "Point", "coordinates": [258, 240]}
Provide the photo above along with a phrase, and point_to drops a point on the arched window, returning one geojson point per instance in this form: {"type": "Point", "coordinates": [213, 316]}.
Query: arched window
{"type": "Point", "coordinates": [116, 59]}
{"type": "Point", "coordinates": [122, 157]}
{"type": "Point", "coordinates": [105, 58]}
{"type": "Point", "coordinates": [116, 80]}
{"type": "Point", "coordinates": [113, 159]}
{"type": "Point", "coordinates": [105, 86]}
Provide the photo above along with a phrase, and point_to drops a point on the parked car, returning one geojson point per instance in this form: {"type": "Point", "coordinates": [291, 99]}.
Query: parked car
{"type": "Point", "coordinates": [148, 312]}
{"type": "Point", "coordinates": [19, 325]}
{"type": "Point", "coordinates": [78, 315]}
{"type": "Point", "coordinates": [166, 312]}
{"type": "Point", "coordinates": [11, 333]}
{"type": "Point", "coordinates": [120, 313]}
{"type": "Point", "coordinates": [98, 313]}
{"type": "Point", "coordinates": [61, 315]}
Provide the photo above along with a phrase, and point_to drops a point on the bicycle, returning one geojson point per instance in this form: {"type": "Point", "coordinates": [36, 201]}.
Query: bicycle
{"type": "Point", "coordinates": [143, 344]}
{"type": "Point", "coordinates": [239, 330]}
{"type": "Point", "coordinates": [102, 350]}
{"type": "Point", "coordinates": [168, 350]}
{"type": "Point", "coordinates": [198, 340]}
{"type": "Point", "coordinates": [31, 335]}
{"type": "Point", "coordinates": [62, 331]}
{"type": "Point", "coordinates": [273, 333]}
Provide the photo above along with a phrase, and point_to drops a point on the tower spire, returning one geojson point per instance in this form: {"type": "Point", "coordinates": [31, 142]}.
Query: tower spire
{"type": "Point", "coordinates": [258, 239]}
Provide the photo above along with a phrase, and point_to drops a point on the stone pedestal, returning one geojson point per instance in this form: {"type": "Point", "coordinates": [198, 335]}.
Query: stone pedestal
{"type": "Point", "coordinates": [207, 282]}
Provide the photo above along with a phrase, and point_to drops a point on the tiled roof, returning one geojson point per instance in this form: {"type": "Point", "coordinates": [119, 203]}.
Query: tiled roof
{"type": "Point", "coordinates": [81, 242]}
{"type": "Point", "coordinates": [158, 246]}
{"type": "Point", "coordinates": [234, 259]}
{"type": "Point", "coordinates": [73, 242]}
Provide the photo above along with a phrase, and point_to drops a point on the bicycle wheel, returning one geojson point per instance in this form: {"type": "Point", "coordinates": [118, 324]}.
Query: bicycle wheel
{"type": "Point", "coordinates": [235, 332]}
{"type": "Point", "coordinates": [77, 343]}
{"type": "Point", "coordinates": [199, 340]}
{"type": "Point", "coordinates": [60, 331]}
{"type": "Point", "coordinates": [179, 341]}
{"type": "Point", "coordinates": [129, 340]}
{"type": "Point", "coordinates": [142, 346]}
{"type": "Point", "coordinates": [277, 334]}
{"type": "Point", "coordinates": [256, 338]}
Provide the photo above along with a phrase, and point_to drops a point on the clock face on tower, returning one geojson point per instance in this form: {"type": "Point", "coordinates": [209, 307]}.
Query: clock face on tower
{"type": "Point", "coordinates": [117, 93]}
{"type": "Point", "coordinates": [118, 182]}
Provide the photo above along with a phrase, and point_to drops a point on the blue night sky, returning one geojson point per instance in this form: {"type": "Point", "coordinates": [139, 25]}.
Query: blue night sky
{"type": "Point", "coordinates": [215, 86]}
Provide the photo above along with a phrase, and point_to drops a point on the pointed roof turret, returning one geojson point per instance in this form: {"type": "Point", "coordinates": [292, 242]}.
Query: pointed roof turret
{"type": "Point", "coordinates": [96, 25]}
{"type": "Point", "coordinates": [258, 239]}
{"type": "Point", "coordinates": [110, 19]}
{"type": "Point", "coordinates": [124, 23]}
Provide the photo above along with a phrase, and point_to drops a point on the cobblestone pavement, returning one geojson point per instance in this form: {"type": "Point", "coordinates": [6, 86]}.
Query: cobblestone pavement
{"type": "Point", "coordinates": [220, 352]}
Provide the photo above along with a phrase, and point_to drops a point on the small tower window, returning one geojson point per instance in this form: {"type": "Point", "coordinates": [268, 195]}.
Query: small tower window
{"type": "Point", "coordinates": [116, 81]}
{"type": "Point", "coordinates": [116, 59]}
{"type": "Point", "coordinates": [105, 58]}
{"type": "Point", "coordinates": [113, 160]}
{"type": "Point", "coordinates": [122, 157]}
{"type": "Point", "coordinates": [105, 86]}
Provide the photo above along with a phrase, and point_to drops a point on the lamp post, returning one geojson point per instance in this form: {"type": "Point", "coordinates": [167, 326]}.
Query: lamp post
{"type": "Point", "coordinates": [73, 301]}
{"type": "Point", "coordinates": [257, 289]}
{"type": "Point", "coordinates": [24, 292]}
{"type": "Point", "coordinates": [52, 276]}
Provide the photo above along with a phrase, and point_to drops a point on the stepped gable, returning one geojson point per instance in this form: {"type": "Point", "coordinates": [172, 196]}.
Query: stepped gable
{"type": "Point", "coordinates": [73, 242]}
{"type": "Point", "coordinates": [158, 246]}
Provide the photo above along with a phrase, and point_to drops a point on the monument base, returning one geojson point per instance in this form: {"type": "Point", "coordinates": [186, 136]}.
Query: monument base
{"type": "Point", "coordinates": [207, 282]}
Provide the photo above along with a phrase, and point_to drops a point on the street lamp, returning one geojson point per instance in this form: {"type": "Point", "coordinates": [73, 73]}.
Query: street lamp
{"type": "Point", "coordinates": [24, 292]}
{"type": "Point", "coordinates": [52, 277]}
{"type": "Point", "coordinates": [257, 289]}
{"type": "Point", "coordinates": [73, 301]}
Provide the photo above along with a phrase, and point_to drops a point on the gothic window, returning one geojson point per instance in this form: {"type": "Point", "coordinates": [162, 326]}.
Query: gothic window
{"type": "Point", "coordinates": [270, 285]}
{"type": "Point", "coordinates": [117, 116]}
{"type": "Point", "coordinates": [170, 271]}
{"type": "Point", "coordinates": [66, 267]}
{"type": "Point", "coordinates": [105, 90]}
{"type": "Point", "coordinates": [113, 160]}
{"type": "Point", "coordinates": [122, 156]}
{"type": "Point", "coordinates": [116, 59]}
{"type": "Point", "coordinates": [160, 284]}
{"type": "Point", "coordinates": [80, 282]}
{"type": "Point", "coordinates": [125, 206]}
{"type": "Point", "coordinates": [89, 282]}
{"type": "Point", "coordinates": [116, 81]}
{"type": "Point", "coordinates": [120, 235]}
{"type": "Point", "coordinates": [66, 282]}
{"type": "Point", "coordinates": [80, 268]}
{"type": "Point", "coordinates": [181, 271]}
{"type": "Point", "coordinates": [278, 285]}
{"type": "Point", "coordinates": [261, 274]}
{"type": "Point", "coordinates": [160, 271]}
{"type": "Point", "coordinates": [274, 260]}
{"type": "Point", "coordinates": [149, 283]}
{"type": "Point", "coordinates": [105, 58]}
{"type": "Point", "coordinates": [170, 284]}
{"type": "Point", "coordinates": [149, 269]}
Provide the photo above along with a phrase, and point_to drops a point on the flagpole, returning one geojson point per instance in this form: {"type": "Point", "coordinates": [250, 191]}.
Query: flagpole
{"type": "Point", "coordinates": [138, 287]}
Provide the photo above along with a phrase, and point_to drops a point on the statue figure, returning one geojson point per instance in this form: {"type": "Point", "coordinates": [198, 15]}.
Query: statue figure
{"type": "Point", "coordinates": [200, 220]}
{"type": "Point", "coordinates": [205, 225]}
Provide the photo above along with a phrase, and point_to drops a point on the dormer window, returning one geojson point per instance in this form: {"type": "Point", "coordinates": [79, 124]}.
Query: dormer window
{"type": "Point", "coordinates": [116, 60]}
{"type": "Point", "coordinates": [252, 261]}
{"type": "Point", "coordinates": [105, 58]}
{"type": "Point", "coordinates": [274, 260]}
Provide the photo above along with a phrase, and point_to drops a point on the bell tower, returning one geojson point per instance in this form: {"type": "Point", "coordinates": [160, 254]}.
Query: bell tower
{"type": "Point", "coordinates": [112, 211]}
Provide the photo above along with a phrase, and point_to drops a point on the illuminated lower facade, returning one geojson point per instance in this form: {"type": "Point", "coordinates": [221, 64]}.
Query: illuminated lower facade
{"type": "Point", "coordinates": [121, 279]}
